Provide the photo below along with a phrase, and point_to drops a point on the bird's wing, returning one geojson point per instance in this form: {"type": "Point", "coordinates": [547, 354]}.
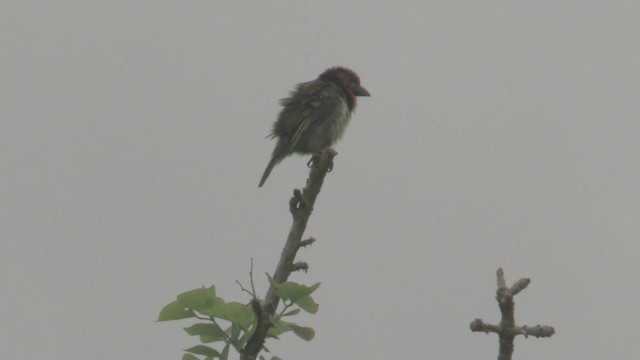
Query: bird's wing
{"type": "Point", "coordinates": [310, 104]}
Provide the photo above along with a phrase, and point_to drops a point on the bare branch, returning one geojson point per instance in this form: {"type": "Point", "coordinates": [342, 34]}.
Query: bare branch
{"type": "Point", "coordinates": [507, 329]}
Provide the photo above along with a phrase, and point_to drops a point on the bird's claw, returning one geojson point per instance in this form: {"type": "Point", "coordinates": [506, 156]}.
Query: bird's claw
{"type": "Point", "coordinates": [312, 161]}
{"type": "Point", "coordinates": [315, 158]}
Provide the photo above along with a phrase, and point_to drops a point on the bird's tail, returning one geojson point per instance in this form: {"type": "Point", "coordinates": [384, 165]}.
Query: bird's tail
{"type": "Point", "coordinates": [274, 160]}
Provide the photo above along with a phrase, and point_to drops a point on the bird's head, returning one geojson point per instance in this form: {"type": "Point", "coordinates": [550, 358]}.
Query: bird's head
{"type": "Point", "coordinates": [348, 81]}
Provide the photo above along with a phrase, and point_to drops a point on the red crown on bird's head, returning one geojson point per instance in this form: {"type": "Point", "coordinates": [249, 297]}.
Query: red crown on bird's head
{"type": "Point", "coordinates": [348, 81]}
{"type": "Point", "coordinates": [340, 73]}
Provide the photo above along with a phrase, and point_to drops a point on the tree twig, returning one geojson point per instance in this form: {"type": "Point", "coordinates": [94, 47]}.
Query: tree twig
{"type": "Point", "coordinates": [507, 329]}
{"type": "Point", "coordinates": [301, 207]}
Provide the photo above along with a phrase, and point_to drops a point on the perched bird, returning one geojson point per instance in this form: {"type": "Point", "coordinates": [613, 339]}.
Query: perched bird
{"type": "Point", "coordinates": [315, 115]}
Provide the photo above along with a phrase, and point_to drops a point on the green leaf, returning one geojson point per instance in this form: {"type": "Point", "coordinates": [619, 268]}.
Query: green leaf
{"type": "Point", "coordinates": [175, 311]}
{"type": "Point", "coordinates": [225, 352]}
{"type": "Point", "coordinates": [303, 332]}
{"type": "Point", "coordinates": [291, 312]}
{"type": "Point", "coordinates": [233, 311]}
{"type": "Point", "coordinates": [207, 332]}
{"type": "Point", "coordinates": [199, 299]}
{"type": "Point", "coordinates": [240, 343]}
{"type": "Point", "coordinates": [278, 328]}
{"type": "Point", "coordinates": [235, 331]}
{"type": "Point", "coordinates": [203, 350]}
{"type": "Point", "coordinates": [275, 358]}
{"type": "Point", "coordinates": [307, 304]}
{"type": "Point", "coordinates": [290, 290]}
{"type": "Point", "coordinates": [189, 357]}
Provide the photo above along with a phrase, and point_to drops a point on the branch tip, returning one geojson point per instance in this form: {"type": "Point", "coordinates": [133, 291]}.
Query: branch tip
{"type": "Point", "coordinates": [507, 330]}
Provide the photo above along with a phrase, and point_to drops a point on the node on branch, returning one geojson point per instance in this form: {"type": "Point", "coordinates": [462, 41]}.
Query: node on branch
{"type": "Point", "coordinates": [507, 329]}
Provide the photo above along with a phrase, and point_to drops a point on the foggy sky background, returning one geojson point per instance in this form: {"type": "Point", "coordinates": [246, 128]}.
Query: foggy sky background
{"type": "Point", "coordinates": [498, 134]}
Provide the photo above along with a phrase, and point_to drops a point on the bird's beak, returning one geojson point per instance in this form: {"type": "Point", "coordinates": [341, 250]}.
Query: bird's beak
{"type": "Point", "coordinates": [359, 90]}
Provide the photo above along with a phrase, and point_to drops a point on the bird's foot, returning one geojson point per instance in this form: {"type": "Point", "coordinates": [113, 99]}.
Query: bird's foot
{"type": "Point", "coordinates": [332, 153]}
{"type": "Point", "coordinates": [316, 158]}
{"type": "Point", "coordinates": [312, 161]}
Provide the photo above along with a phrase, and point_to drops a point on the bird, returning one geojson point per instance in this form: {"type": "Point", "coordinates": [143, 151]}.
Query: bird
{"type": "Point", "coordinates": [315, 115]}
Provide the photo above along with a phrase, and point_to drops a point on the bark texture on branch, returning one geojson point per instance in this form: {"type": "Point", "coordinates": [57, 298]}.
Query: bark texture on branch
{"type": "Point", "coordinates": [301, 207]}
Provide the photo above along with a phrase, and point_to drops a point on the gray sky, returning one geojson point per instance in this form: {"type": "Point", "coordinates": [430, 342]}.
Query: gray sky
{"type": "Point", "coordinates": [497, 134]}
